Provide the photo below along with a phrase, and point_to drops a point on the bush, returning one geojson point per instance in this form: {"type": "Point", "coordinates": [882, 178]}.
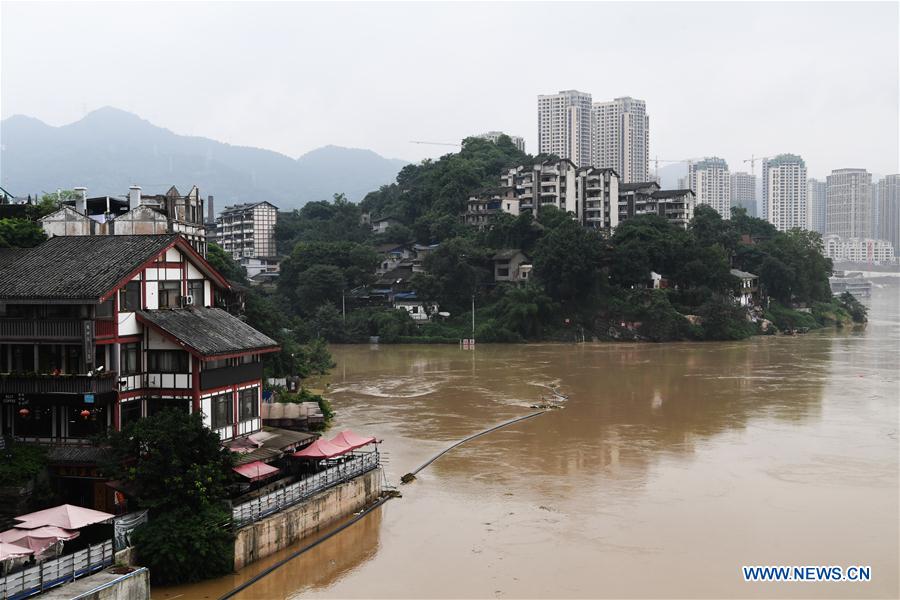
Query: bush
{"type": "Point", "coordinates": [724, 320]}
{"type": "Point", "coordinates": [660, 322]}
{"type": "Point", "coordinates": [789, 319]}
{"type": "Point", "coordinates": [492, 332]}
{"type": "Point", "coordinates": [858, 312]}
{"type": "Point", "coordinates": [428, 339]}
{"type": "Point", "coordinates": [24, 463]}
{"type": "Point", "coordinates": [186, 545]}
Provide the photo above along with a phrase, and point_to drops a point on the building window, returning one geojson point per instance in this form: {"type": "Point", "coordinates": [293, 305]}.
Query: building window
{"type": "Point", "coordinates": [249, 403]}
{"type": "Point", "coordinates": [222, 413]}
{"type": "Point", "coordinates": [196, 291]}
{"type": "Point", "coordinates": [130, 297]}
{"type": "Point", "coordinates": [167, 361]}
{"type": "Point", "coordinates": [130, 362]}
{"type": "Point", "coordinates": [105, 309]}
{"type": "Point", "coordinates": [130, 412]}
{"type": "Point", "coordinates": [169, 292]}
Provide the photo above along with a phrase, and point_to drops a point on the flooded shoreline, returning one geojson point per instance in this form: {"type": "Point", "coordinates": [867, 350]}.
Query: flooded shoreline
{"type": "Point", "coordinates": [669, 467]}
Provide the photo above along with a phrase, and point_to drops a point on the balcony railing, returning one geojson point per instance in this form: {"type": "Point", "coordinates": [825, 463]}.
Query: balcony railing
{"type": "Point", "coordinates": [26, 330]}
{"type": "Point", "coordinates": [273, 502]}
{"type": "Point", "coordinates": [25, 383]}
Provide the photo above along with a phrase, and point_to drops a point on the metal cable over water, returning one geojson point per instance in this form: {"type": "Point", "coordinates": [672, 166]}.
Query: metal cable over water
{"type": "Point", "coordinates": [406, 478]}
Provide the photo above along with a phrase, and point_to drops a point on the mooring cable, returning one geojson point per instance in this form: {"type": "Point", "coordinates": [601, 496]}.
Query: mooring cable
{"type": "Point", "coordinates": [360, 516]}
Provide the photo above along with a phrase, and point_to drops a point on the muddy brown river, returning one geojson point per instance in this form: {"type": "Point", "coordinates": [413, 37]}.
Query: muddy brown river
{"type": "Point", "coordinates": [668, 468]}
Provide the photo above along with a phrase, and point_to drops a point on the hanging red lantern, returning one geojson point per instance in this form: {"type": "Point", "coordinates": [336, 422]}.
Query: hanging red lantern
{"type": "Point", "coordinates": [24, 412]}
{"type": "Point", "coordinates": [85, 414]}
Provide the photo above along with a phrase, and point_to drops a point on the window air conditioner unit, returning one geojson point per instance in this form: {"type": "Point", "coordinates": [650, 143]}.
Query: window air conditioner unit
{"type": "Point", "coordinates": [187, 300]}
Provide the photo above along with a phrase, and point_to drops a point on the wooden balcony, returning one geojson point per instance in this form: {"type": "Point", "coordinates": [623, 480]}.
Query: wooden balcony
{"type": "Point", "coordinates": [29, 383]}
{"type": "Point", "coordinates": [224, 376]}
{"type": "Point", "coordinates": [56, 330]}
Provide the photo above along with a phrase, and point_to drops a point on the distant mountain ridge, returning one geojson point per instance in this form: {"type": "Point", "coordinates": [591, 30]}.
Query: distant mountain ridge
{"type": "Point", "coordinates": [110, 149]}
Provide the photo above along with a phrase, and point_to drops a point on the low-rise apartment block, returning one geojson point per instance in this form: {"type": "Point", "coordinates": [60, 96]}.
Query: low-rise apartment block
{"type": "Point", "coordinates": [248, 230]}
{"type": "Point", "coordinates": [861, 250]}
{"type": "Point", "coordinates": [647, 198]}
{"type": "Point", "coordinates": [494, 136]}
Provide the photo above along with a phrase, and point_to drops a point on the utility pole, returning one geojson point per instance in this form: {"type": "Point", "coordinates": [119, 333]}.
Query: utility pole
{"type": "Point", "coordinates": [473, 315]}
{"type": "Point", "coordinates": [344, 305]}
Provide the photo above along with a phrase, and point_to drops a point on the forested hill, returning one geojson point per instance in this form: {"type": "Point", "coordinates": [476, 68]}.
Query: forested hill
{"type": "Point", "coordinates": [583, 280]}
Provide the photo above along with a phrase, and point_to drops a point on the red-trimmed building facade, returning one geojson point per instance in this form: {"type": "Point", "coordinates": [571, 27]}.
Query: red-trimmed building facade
{"type": "Point", "coordinates": [99, 331]}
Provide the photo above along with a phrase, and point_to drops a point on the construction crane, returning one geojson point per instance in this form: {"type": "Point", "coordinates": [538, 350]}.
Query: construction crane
{"type": "Point", "coordinates": [658, 160]}
{"type": "Point", "coordinates": [752, 160]}
{"type": "Point", "coordinates": [434, 143]}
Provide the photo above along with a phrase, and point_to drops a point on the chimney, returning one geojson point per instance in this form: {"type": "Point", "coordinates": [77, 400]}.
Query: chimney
{"type": "Point", "coordinates": [134, 197]}
{"type": "Point", "coordinates": [211, 212]}
{"type": "Point", "coordinates": [81, 202]}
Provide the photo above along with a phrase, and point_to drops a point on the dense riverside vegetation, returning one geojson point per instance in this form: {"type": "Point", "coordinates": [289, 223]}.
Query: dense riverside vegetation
{"type": "Point", "coordinates": [586, 284]}
{"type": "Point", "coordinates": [177, 469]}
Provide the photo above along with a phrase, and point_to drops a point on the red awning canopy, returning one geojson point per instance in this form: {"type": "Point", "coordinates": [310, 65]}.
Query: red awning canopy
{"type": "Point", "coordinates": [320, 449]}
{"type": "Point", "coordinates": [256, 470]}
{"type": "Point", "coordinates": [351, 440]}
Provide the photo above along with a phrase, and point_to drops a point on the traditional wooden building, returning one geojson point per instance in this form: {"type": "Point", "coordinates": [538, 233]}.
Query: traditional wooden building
{"type": "Point", "coordinates": [98, 331]}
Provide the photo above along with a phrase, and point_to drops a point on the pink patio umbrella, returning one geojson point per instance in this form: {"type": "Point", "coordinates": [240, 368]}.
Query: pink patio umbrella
{"type": "Point", "coordinates": [351, 440]}
{"type": "Point", "coordinates": [321, 449]}
{"type": "Point", "coordinates": [256, 470]}
{"type": "Point", "coordinates": [67, 516]}
{"type": "Point", "coordinates": [8, 550]}
{"type": "Point", "coordinates": [38, 539]}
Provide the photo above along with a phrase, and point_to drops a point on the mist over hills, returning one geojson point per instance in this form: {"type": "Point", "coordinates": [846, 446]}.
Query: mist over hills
{"type": "Point", "coordinates": [110, 149]}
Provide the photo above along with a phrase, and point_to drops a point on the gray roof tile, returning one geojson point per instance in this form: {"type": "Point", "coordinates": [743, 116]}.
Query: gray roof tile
{"type": "Point", "coordinates": [209, 331]}
{"type": "Point", "coordinates": [77, 267]}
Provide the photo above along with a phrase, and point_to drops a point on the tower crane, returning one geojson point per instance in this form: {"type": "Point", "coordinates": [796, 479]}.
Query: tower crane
{"type": "Point", "coordinates": [752, 160]}
{"type": "Point", "coordinates": [434, 143]}
{"type": "Point", "coordinates": [658, 160]}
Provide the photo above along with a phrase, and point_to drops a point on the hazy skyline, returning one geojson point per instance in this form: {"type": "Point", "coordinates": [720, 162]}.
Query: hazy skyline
{"type": "Point", "coordinates": [724, 79]}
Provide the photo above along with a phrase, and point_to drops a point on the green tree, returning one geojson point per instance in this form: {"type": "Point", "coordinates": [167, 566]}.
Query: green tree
{"type": "Point", "coordinates": [224, 264]}
{"type": "Point", "coordinates": [171, 460]}
{"type": "Point", "coordinates": [317, 285]}
{"type": "Point", "coordinates": [456, 270]}
{"type": "Point", "coordinates": [184, 545]}
{"type": "Point", "coordinates": [20, 233]}
{"type": "Point", "coordinates": [354, 262]}
{"type": "Point", "coordinates": [724, 320]}
{"type": "Point", "coordinates": [178, 470]}
{"type": "Point", "coordinates": [524, 309]}
{"type": "Point", "coordinates": [858, 311]}
{"type": "Point", "coordinates": [567, 261]}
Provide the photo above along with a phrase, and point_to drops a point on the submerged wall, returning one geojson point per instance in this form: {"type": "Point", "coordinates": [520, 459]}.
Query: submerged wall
{"type": "Point", "coordinates": [291, 525]}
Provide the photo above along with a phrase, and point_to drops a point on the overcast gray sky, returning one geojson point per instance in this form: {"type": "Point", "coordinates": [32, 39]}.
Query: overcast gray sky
{"type": "Point", "coordinates": [719, 78]}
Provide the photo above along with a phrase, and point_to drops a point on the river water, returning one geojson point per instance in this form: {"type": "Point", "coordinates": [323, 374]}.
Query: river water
{"type": "Point", "coordinates": [668, 468]}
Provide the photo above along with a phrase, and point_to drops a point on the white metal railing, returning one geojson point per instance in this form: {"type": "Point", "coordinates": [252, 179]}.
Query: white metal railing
{"type": "Point", "coordinates": [57, 571]}
{"type": "Point", "coordinates": [261, 507]}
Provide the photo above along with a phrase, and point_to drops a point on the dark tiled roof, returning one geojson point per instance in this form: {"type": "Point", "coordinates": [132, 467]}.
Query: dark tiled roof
{"type": "Point", "coordinates": [209, 331]}
{"type": "Point", "coordinates": [671, 193]}
{"type": "Point", "coordinates": [78, 455]}
{"type": "Point", "coordinates": [9, 255]}
{"type": "Point", "coordinates": [78, 267]}
{"type": "Point", "coordinates": [507, 254]}
{"type": "Point", "coordinates": [632, 187]}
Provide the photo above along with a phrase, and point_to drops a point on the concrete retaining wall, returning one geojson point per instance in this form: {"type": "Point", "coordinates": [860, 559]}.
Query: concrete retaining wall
{"type": "Point", "coordinates": [291, 525]}
{"type": "Point", "coordinates": [105, 586]}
